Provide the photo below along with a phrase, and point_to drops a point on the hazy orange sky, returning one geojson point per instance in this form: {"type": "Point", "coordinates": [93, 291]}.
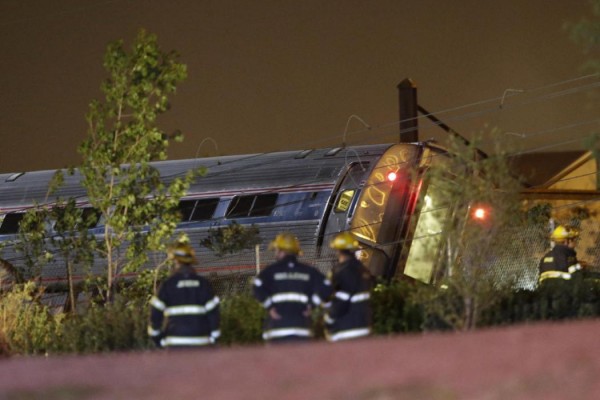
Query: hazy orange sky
{"type": "Point", "coordinates": [283, 75]}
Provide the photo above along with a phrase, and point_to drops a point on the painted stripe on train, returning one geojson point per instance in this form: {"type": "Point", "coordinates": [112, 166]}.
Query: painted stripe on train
{"type": "Point", "coordinates": [199, 195]}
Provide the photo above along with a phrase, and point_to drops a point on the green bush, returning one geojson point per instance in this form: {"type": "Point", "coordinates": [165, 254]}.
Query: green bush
{"type": "Point", "coordinates": [241, 320]}
{"type": "Point", "coordinates": [118, 325]}
{"type": "Point", "coordinates": [394, 310]}
{"type": "Point", "coordinates": [26, 325]}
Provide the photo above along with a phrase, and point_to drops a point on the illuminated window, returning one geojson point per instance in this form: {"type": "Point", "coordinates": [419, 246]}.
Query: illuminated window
{"type": "Point", "coordinates": [344, 201]}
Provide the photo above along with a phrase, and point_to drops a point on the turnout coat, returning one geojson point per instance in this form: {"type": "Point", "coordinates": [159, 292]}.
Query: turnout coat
{"type": "Point", "coordinates": [349, 313]}
{"type": "Point", "coordinates": [290, 289]}
{"type": "Point", "coordinates": [185, 312]}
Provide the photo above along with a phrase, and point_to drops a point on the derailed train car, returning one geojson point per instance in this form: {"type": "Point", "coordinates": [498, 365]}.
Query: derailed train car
{"type": "Point", "coordinates": [375, 191]}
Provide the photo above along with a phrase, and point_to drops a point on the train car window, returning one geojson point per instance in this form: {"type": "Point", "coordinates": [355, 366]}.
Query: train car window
{"type": "Point", "coordinates": [10, 223]}
{"type": "Point", "coordinates": [263, 205]}
{"type": "Point", "coordinates": [186, 208]}
{"type": "Point", "coordinates": [252, 206]}
{"type": "Point", "coordinates": [344, 200]}
{"type": "Point", "coordinates": [240, 206]}
{"type": "Point", "coordinates": [204, 210]}
{"type": "Point", "coordinates": [91, 216]}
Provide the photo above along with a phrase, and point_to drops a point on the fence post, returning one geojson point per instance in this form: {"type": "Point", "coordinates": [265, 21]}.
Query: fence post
{"type": "Point", "coordinates": [257, 257]}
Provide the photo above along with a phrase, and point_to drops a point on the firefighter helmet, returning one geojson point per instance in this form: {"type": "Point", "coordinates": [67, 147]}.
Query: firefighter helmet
{"type": "Point", "coordinates": [286, 242]}
{"type": "Point", "coordinates": [344, 241]}
{"type": "Point", "coordinates": [562, 233]}
{"type": "Point", "coordinates": [183, 253]}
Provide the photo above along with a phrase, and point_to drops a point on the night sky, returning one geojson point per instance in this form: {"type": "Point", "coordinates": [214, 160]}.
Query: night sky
{"type": "Point", "coordinates": [283, 75]}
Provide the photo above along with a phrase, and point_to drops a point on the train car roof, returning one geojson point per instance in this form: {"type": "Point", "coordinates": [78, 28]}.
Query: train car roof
{"type": "Point", "coordinates": [293, 170]}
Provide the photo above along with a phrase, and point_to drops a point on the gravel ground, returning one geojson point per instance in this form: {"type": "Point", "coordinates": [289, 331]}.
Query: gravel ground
{"type": "Point", "coordinates": [541, 361]}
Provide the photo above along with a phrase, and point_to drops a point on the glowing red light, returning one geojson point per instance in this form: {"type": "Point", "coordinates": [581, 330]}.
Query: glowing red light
{"type": "Point", "coordinates": [391, 176]}
{"type": "Point", "coordinates": [479, 213]}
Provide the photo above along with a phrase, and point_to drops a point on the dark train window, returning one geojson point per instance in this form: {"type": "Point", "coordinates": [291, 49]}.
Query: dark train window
{"type": "Point", "coordinates": [204, 210]}
{"type": "Point", "coordinates": [10, 223]}
{"type": "Point", "coordinates": [91, 216]}
{"type": "Point", "coordinates": [198, 210]}
{"type": "Point", "coordinates": [252, 206]}
{"type": "Point", "coordinates": [263, 205]}
{"type": "Point", "coordinates": [186, 208]}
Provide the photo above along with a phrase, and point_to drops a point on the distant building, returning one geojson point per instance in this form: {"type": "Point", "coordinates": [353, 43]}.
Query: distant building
{"type": "Point", "coordinates": [569, 182]}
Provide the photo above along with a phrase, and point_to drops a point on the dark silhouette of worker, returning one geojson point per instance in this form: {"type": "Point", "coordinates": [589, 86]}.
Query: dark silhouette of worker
{"type": "Point", "coordinates": [557, 270]}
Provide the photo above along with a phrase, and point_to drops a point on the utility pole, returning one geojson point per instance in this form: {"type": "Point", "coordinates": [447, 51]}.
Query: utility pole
{"type": "Point", "coordinates": [409, 111]}
{"type": "Point", "coordinates": [409, 123]}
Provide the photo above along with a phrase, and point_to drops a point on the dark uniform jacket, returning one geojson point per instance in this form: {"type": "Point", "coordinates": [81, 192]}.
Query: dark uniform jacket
{"type": "Point", "coordinates": [291, 288]}
{"type": "Point", "coordinates": [559, 262]}
{"type": "Point", "coordinates": [349, 314]}
{"type": "Point", "coordinates": [191, 310]}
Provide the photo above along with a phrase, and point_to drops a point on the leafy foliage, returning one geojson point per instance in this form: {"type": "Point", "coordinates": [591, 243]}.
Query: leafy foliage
{"type": "Point", "coordinates": [231, 239]}
{"type": "Point", "coordinates": [241, 320]}
{"type": "Point", "coordinates": [586, 33]}
{"type": "Point", "coordinates": [136, 205]}
{"type": "Point", "coordinates": [393, 309]}
{"type": "Point", "coordinates": [26, 325]}
{"type": "Point", "coordinates": [471, 245]}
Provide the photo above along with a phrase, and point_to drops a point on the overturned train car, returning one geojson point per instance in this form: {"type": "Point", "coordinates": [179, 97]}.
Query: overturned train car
{"type": "Point", "coordinates": [375, 191]}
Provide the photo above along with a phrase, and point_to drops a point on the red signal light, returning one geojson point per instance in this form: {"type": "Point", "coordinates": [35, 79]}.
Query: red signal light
{"type": "Point", "coordinates": [392, 176]}
{"type": "Point", "coordinates": [480, 213]}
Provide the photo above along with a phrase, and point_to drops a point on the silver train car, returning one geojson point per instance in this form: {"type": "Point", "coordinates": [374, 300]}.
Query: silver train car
{"type": "Point", "coordinates": [375, 191]}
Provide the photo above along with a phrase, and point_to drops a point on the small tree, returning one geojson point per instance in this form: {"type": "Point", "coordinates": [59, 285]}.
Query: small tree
{"type": "Point", "coordinates": [138, 208]}
{"type": "Point", "coordinates": [69, 239]}
{"type": "Point", "coordinates": [485, 214]}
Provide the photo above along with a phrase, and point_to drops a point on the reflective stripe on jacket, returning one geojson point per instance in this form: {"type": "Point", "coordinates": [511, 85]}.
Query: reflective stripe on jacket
{"type": "Point", "coordinates": [291, 288]}
{"type": "Point", "coordinates": [349, 314]}
{"type": "Point", "coordinates": [187, 302]}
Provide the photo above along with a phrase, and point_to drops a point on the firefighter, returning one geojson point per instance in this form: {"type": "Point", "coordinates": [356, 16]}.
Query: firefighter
{"type": "Point", "coordinates": [187, 302]}
{"type": "Point", "coordinates": [560, 262]}
{"type": "Point", "coordinates": [557, 269]}
{"type": "Point", "coordinates": [288, 290]}
{"type": "Point", "coordinates": [348, 315]}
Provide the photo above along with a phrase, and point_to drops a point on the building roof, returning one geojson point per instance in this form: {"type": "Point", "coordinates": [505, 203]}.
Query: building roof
{"type": "Point", "coordinates": [539, 169]}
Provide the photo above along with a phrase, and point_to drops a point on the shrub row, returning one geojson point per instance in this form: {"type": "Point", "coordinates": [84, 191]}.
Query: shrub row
{"type": "Point", "coordinates": [27, 326]}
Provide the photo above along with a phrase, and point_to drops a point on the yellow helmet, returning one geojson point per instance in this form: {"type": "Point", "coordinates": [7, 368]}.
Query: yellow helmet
{"type": "Point", "coordinates": [344, 241]}
{"type": "Point", "coordinates": [562, 233]}
{"type": "Point", "coordinates": [286, 242]}
{"type": "Point", "coordinates": [183, 253]}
